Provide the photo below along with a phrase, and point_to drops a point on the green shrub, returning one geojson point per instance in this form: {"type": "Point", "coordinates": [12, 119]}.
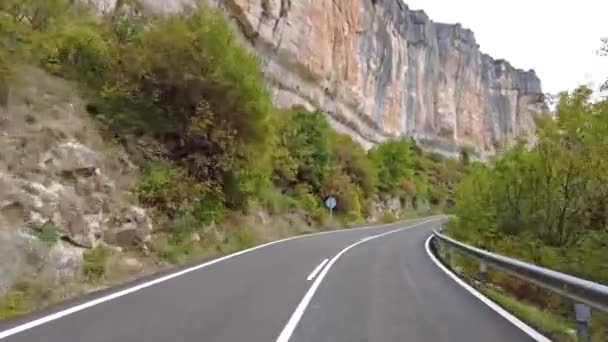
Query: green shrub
{"type": "Point", "coordinates": [78, 50]}
{"type": "Point", "coordinates": [174, 254]}
{"type": "Point", "coordinates": [187, 237]}
{"type": "Point", "coordinates": [190, 71]}
{"type": "Point", "coordinates": [24, 296]}
{"type": "Point", "coordinates": [310, 203]}
{"type": "Point", "coordinates": [209, 211]}
{"type": "Point", "coordinates": [353, 161]}
{"type": "Point", "coordinates": [276, 202]}
{"type": "Point", "coordinates": [305, 145]}
{"type": "Point", "coordinates": [349, 203]}
{"type": "Point", "coordinates": [13, 304]}
{"type": "Point", "coordinates": [394, 160]}
{"type": "Point", "coordinates": [179, 252]}
{"type": "Point", "coordinates": [172, 191]}
{"type": "Point", "coordinates": [388, 217]}
{"type": "Point", "coordinates": [246, 237]}
{"type": "Point", "coordinates": [46, 232]}
{"type": "Point", "coordinates": [94, 267]}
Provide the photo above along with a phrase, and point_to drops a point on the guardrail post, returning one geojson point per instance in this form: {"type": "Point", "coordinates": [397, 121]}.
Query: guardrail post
{"type": "Point", "coordinates": [448, 255]}
{"type": "Point", "coordinates": [583, 316]}
{"type": "Point", "coordinates": [483, 271]}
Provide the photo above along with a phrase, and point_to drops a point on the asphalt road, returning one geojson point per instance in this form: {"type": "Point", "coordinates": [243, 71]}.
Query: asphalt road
{"type": "Point", "coordinates": [381, 289]}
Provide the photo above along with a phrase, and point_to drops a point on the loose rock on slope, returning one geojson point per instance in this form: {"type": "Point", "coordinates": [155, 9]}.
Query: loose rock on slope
{"type": "Point", "coordinates": [62, 189]}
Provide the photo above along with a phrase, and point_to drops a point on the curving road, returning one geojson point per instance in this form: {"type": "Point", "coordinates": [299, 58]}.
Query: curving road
{"type": "Point", "coordinates": [375, 284]}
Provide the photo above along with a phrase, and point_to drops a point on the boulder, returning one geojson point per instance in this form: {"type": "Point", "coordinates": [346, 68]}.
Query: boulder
{"type": "Point", "coordinates": [70, 158]}
{"type": "Point", "coordinates": [130, 264]}
{"type": "Point", "coordinates": [132, 227]}
{"type": "Point", "coordinates": [63, 261]}
{"type": "Point", "coordinates": [13, 260]}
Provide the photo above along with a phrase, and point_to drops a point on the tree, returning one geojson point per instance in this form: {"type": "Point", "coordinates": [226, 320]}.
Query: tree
{"type": "Point", "coordinates": [353, 161]}
{"type": "Point", "coordinates": [305, 148]}
{"type": "Point", "coordinates": [394, 160]}
{"type": "Point", "coordinates": [556, 190]}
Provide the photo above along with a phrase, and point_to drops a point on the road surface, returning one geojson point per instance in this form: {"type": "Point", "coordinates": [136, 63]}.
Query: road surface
{"type": "Point", "coordinates": [374, 284]}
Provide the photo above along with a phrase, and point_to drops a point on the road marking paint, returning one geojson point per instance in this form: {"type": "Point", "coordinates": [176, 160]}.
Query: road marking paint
{"type": "Point", "coordinates": [299, 312]}
{"type": "Point", "coordinates": [97, 301]}
{"type": "Point", "coordinates": [504, 313]}
{"type": "Point", "coordinates": [314, 272]}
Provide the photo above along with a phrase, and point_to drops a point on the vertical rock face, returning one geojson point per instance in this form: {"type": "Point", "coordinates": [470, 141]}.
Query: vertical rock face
{"type": "Point", "coordinates": [380, 71]}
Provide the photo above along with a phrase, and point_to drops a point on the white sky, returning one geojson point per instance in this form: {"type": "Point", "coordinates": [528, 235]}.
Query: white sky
{"type": "Point", "coordinates": [556, 38]}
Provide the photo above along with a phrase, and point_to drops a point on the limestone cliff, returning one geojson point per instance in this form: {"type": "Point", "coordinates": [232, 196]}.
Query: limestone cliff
{"type": "Point", "coordinates": [380, 71]}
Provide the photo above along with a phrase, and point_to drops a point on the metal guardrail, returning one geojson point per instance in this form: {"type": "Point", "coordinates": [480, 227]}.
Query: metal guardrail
{"type": "Point", "coordinates": [577, 289]}
{"type": "Point", "coordinates": [581, 291]}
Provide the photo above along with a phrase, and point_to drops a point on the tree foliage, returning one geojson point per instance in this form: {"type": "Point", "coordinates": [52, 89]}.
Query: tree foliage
{"type": "Point", "coordinates": [545, 203]}
{"type": "Point", "coordinates": [208, 96]}
{"type": "Point", "coordinates": [553, 192]}
{"type": "Point", "coordinates": [395, 163]}
{"type": "Point", "coordinates": [306, 138]}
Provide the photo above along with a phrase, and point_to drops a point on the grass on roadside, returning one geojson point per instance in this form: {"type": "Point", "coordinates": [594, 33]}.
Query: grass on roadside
{"type": "Point", "coordinates": [556, 327]}
{"type": "Point", "coordinates": [24, 296]}
{"type": "Point", "coordinates": [94, 267]}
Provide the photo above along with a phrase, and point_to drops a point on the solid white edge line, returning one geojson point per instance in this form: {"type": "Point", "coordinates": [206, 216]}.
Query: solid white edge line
{"type": "Point", "coordinates": [314, 272]}
{"type": "Point", "coordinates": [299, 312]}
{"type": "Point", "coordinates": [97, 301]}
{"type": "Point", "coordinates": [494, 306]}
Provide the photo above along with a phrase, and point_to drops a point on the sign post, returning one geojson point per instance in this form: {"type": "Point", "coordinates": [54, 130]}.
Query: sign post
{"type": "Point", "coordinates": [330, 203]}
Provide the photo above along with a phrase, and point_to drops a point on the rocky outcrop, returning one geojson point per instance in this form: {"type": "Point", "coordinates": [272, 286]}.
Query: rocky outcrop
{"type": "Point", "coordinates": [380, 71]}
{"type": "Point", "coordinates": [62, 189]}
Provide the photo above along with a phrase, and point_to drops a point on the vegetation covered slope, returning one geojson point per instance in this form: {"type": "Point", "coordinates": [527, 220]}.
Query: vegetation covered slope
{"type": "Point", "coordinates": [546, 203]}
{"type": "Point", "coordinates": [190, 105]}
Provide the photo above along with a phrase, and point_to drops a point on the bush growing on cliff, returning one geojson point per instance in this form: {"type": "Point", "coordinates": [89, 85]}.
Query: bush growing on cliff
{"type": "Point", "coordinates": [189, 74]}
